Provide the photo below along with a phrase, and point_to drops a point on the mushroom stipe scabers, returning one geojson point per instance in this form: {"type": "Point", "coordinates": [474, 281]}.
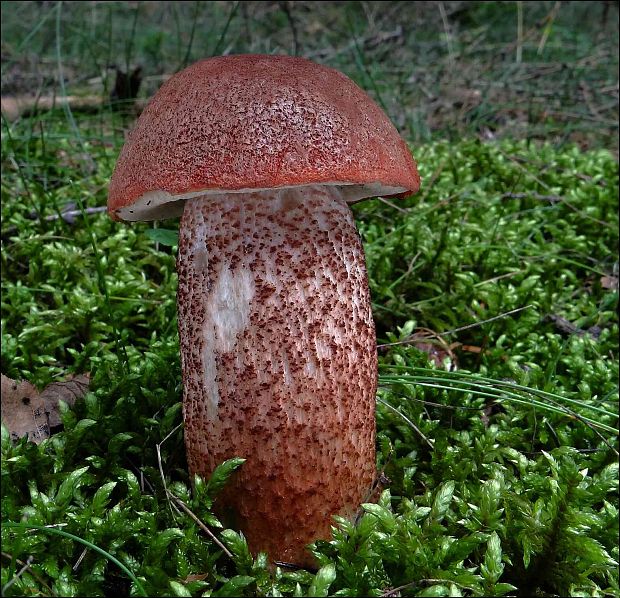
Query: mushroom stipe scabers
{"type": "Point", "coordinates": [261, 156]}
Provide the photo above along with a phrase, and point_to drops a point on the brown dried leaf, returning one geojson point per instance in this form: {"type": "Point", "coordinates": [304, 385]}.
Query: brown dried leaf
{"type": "Point", "coordinates": [195, 577]}
{"type": "Point", "coordinates": [489, 411]}
{"type": "Point", "coordinates": [609, 282]}
{"type": "Point", "coordinates": [435, 354]}
{"type": "Point", "coordinates": [471, 348]}
{"type": "Point", "coordinates": [568, 328]}
{"type": "Point", "coordinates": [21, 409]}
{"type": "Point", "coordinates": [26, 412]}
{"type": "Point", "coordinates": [438, 351]}
{"type": "Point", "coordinates": [69, 391]}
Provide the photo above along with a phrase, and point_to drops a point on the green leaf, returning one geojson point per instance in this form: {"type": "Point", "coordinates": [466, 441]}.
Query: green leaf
{"type": "Point", "coordinates": [436, 590]}
{"type": "Point", "coordinates": [442, 501]}
{"type": "Point", "coordinates": [159, 544]}
{"type": "Point", "coordinates": [221, 473]}
{"type": "Point", "coordinates": [114, 446]}
{"type": "Point", "coordinates": [234, 586]}
{"type": "Point", "coordinates": [385, 517]}
{"type": "Point", "coordinates": [491, 493]}
{"type": "Point", "coordinates": [50, 566]}
{"type": "Point", "coordinates": [455, 591]}
{"type": "Point", "coordinates": [322, 580]}
{"type": "Point", "coordinates": [178, 589]}
{"type": "Point", "coordinates": [133, 486]}
{"type": "Point", "coordinates": [69, 486]}
{"type": "Point", "coordinates": [492, 568]}
{"type": "Point", "coordinates": [261, 562]}
{"type": "Point", "coordinates": [6, 439]}
{"type": "Point", "coordinates": [164, 236]}
{"type": "Point", "coordinates": [173, 413]}
{"type": "Point", "coordinates": [100, 500]}
{"type": "Point", "coordinates": [503, 588]}
{"type": "Point", "coordinates": [237, 544]}
{"type": "Point", "coordinates": [81, 427]}
{"type": "Point", "coordinates": [461, 548]}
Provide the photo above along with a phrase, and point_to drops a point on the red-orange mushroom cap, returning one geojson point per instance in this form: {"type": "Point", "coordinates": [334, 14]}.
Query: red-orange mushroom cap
{"type": "Point", "coordinates": [251, 122]}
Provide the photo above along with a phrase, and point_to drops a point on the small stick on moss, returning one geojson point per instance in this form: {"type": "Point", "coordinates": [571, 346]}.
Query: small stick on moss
{"type": "Point", "coordinates": [519, 55]}
{"type": "Point", "coordinates": [549, 19]}
{"type": "Point", "coordinates": [448, 332]}
{"type": "Point", "coordinates": [447, 34]}
{"type": "Point", "coordinates": [68, 216]}
{"type": "Point", "coordinates": [380, 482]}
{"type": "Point", "coordinates": [15, 577]}
{"type": "Point", "coordinates": [396, 591]}
{"type": "Point", "coordinates": [391, 408]}
{"type": "Point", "coordinates": [549, 198]}
{"type": "Point", "coordinates": [80, 559]}
{"type": "Point", "coordinates": [428, 186]}
{"type": "Point", "coordinates": [53, 529]}
{"type": "Point", "coordinates": [285, 6]}
{"type": "Point", "coordinates": [32, 572]}
{"type": "Point", "coordinates": [555, 199]}
{"type": "Point", "coordinates": [393, 205]}
{"type": "Point", "coordinates": [414, 259]}
{"type": "Point", "coordinates": [200, 524]}
{"type": "Point", "coordinates": [161, 469]}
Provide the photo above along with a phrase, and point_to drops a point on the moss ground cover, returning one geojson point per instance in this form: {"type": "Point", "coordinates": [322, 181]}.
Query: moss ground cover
{"type": "Point", "coordinates": [494, 292]}
{"type": "Point", "coordinates": [501, 462]}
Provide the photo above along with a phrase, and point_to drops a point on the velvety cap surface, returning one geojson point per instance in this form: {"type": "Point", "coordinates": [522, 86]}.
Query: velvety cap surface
{"type": "Point", "coordinates": [251, 122]}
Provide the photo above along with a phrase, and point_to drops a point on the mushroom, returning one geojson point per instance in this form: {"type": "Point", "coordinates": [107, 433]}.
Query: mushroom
{"type": "Point", "coordinates": [261, 156]}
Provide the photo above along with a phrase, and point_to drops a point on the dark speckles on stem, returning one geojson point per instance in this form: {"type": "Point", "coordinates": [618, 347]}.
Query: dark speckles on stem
{"type": "Point", "coordinates": [296, 390]}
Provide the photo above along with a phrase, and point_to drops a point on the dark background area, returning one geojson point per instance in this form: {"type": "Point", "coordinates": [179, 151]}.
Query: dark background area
{"type": "Point", "coordinates": [536, 70]}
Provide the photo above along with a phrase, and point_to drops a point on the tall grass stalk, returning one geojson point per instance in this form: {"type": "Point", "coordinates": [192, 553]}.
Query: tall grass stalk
{"type": "Point", "coordinates": [90, 545]}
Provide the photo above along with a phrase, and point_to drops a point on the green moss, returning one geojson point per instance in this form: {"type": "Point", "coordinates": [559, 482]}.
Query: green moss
{"type": "Point", "coordinates": [494, 486]}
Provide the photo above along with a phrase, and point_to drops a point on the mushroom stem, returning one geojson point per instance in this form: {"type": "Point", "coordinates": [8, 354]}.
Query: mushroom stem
{"type": "Point", "coordinates": [279, 360]}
